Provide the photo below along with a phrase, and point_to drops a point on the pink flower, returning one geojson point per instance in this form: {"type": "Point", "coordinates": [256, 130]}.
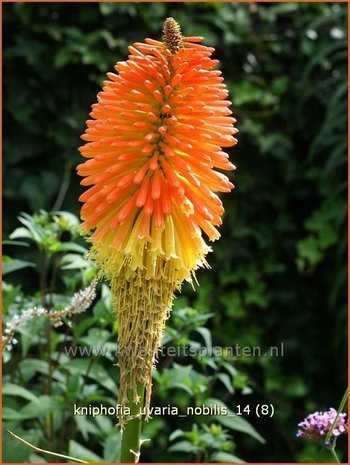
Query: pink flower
{"type": "Point", "coordinates": [317, 425]}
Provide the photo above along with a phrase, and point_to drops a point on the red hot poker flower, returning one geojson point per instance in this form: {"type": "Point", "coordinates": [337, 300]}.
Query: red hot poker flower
{"type": "Point", "coordinates": [153, 145]}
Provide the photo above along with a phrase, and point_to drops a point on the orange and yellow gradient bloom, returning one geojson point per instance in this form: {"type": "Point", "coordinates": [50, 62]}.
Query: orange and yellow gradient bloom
{"type": "Point", "coordinates": [152, 147]}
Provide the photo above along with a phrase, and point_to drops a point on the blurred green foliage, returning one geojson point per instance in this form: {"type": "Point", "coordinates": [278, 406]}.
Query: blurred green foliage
{"type": "Point", "coordinates": [279, 271]}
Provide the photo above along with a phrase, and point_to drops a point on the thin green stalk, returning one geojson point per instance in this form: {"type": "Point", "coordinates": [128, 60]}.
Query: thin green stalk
{"type": "Point", "coordinates": [131, 442]}
{"type": "Point", "coordinates": [326, 442]}
{"type": "Point", "coordinates": [43, 270]}
{"type": "Point", "coordinates": [332, 449]}
{"type": "Point", "coordinates": [49, 416]}
{"type": "Point", "coordinates": [46, 451]}
{"type": "Point", "coordinates": [340, 409]}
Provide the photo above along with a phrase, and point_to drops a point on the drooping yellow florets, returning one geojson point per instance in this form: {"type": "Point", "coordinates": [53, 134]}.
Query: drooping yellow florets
{"type": "Point", "coordinates": [152, 147]}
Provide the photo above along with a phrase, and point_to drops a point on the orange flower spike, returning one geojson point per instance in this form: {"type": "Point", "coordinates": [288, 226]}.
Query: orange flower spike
{"type": "Point", "coordinates": [155, 137]}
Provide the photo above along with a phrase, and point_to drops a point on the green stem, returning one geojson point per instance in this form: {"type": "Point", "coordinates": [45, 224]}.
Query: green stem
{"type": "Point", "coordinates": [49, 416]}
{"type": "Point", "coordinates": [46, 451]}
{"type": "Point", "coordinates": [340, 409]}
{"type": "Point", "coordinates": [332, 449]}
{"type": "Point", "coordinates": [327, 439]}
{"type": "Point", "coordinates": [130, 442]}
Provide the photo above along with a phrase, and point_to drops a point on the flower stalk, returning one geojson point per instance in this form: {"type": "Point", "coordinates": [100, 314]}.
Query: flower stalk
{"type": "Point", "coordinates": [131, 435]}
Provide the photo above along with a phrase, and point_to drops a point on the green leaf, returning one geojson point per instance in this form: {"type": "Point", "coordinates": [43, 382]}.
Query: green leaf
{"type": "Point", "coordinates": [37, 232]}
{"type": "Point", "coordinates": [41, 406]}
{"type": "Point", "coordinates": [206, 335]}
{"type": "Point", "coordinates": [111, 448]}
{"type": "Point", "coordinates": [85, 426]}
{"type": "Point", "coordinates": [230, 368]}
{"type": "Point", "coordinates": [96, 338]}
{"type": "Point", "coordinates": [309, 253]}
{"type": "Point", "coordinates": [73, 262]}
{"type": "Point", "coordinates": [21, 233]}
{"type": "Point", "coordinates": [71, 247]}
{"type": "Point", "coordinates": [19, 243]}
{"type": "Point", "coordinates": [235, 422]}
{"type": "Point", "coordinates": [226, 381]}
{"type": "Point", "coordinates": [73, 386]}
{"type": "Point", "coordinates": [63, 57]}
{"type": "Point", "coordinates": [10, 265]}
{"type": "Point", "coordinates": [10, 389]}
{"type": "Point", "coordinates": [70, 219]}
{"type": "Point", "coordinates": [35, 458]}
{"type": "Point", "coordinates": [178, 433]}
{"type": "Point", "coordinates": [81, 452]}
{"type": "Point", "coordinates": [14, 451]}
{"type": "Point", "coordinates": [13, 415]}
{"type": "Point", "coordinates": [107, 8]}
{"type": "Point", "coordinates": [184, 446]}
{"type": "Point", "coordinates": [30, 366]}
{"type": "Point", "coordinates": [95, 372]}
{"type": "Point", "coordinates": [85, 323]}
{"type": "Point", "coordinates": [103, 309]}
{"type": "Point", "coordinates": [104, 423]}
{"type": "Point", "coordinates": [224, 457]}
{"type": "Point", "coordinates": [30, 333]}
